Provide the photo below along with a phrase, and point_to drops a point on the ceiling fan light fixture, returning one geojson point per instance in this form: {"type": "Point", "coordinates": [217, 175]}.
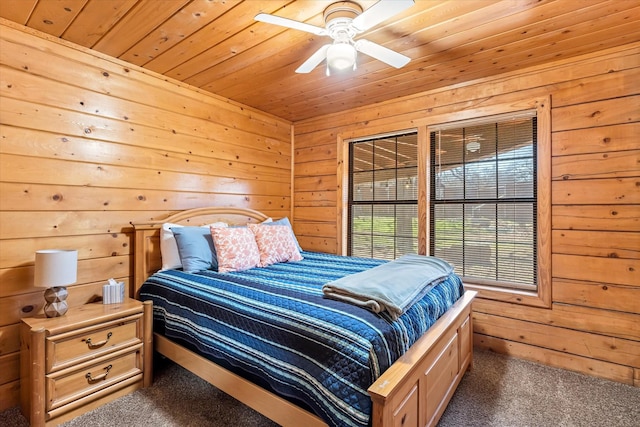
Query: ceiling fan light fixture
{"type": "Point", "coordinates": [473, 146]}
{"type": "Point", "coordinates": [341, 56]}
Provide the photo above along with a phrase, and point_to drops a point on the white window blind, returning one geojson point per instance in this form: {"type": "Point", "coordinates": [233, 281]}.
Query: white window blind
{"type": "Point", "coordinates": [483, 199]}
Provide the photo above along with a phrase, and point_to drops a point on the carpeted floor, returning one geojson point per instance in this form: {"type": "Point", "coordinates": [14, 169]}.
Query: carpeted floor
{"type": "Point", "coordinates": [500, 391]}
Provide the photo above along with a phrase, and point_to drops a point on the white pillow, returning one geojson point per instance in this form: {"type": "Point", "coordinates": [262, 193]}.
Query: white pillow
{"type": "Point", "coordinates": [169, 247]}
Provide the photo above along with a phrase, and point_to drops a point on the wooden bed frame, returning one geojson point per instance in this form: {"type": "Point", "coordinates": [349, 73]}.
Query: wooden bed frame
{"type": "Point", "coordinates": [414, 391]}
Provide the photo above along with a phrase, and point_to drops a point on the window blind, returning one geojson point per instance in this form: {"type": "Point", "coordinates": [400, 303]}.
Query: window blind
{"type": "Point", "coordinates": [383, 193]}
{"type": "Point", "coordinates": [483, 199]}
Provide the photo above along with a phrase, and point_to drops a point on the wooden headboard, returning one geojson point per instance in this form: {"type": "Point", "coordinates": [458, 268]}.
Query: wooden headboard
{"type": "Point", "coordinates": [147, 258]}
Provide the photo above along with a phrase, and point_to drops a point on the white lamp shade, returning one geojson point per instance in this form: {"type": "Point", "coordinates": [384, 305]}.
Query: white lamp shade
{"type": "Point", "coordinates": [55, 267]}
{"type": "Point", "coordinates": [341, 56]}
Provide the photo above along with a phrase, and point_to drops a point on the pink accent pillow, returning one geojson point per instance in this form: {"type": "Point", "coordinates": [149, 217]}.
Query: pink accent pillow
{"type": "Point", "coordinates": [236, 248]}
{"type": "Point", "coordinates": [275, 243]}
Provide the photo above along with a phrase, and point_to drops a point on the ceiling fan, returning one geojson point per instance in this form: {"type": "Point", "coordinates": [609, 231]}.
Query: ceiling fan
{"type": "Point", "coordinates": [344, 20]}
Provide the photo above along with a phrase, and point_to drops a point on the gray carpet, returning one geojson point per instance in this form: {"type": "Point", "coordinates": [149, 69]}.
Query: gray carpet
{"type": "Point", "coordinates": [500, 391]}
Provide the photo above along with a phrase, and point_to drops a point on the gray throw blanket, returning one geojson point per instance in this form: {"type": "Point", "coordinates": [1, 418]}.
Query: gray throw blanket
{"type": "Point", "coordinates": [393, 287]}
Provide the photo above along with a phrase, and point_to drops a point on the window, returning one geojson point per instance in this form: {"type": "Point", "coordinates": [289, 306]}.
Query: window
{"type": "Point", "coordinates": [474, 190]}
{"type": "Point", "coordinates": [483, 199]}
{"type": "Point", "coordinates": [383, 197]}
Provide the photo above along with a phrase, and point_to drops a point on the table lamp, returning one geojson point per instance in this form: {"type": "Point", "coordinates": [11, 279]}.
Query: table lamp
{"type": "Point", "coordinates": [55, 269]}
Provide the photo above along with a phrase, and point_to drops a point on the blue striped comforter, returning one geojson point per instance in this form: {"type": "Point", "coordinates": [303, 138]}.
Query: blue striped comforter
{"type": "Point", "coordinates": [274, 327]}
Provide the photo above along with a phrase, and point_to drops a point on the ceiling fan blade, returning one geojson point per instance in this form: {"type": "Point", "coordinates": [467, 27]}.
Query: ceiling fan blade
{"type": "Point", "coordinates": [290, 23]}
{"type": "Point", "coordinates": [382, 53]}
{"type": "Point", "coordinates": [379, 12]}
{"type": "Point", "coordinates": [314, 60]}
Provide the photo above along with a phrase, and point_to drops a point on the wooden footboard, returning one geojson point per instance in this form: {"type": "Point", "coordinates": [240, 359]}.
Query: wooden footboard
{"type": "Point", "coordinates": [414, 391]}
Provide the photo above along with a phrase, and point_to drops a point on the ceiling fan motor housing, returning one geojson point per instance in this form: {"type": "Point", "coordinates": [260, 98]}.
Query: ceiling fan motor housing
{"type": "Point", "coordinates": [342, 9]}
{"type": "Point", "coordinates": [338, 17]}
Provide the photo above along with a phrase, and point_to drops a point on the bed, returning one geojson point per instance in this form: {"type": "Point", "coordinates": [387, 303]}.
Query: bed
{"type": "Point", "coordinates": [413, 390]}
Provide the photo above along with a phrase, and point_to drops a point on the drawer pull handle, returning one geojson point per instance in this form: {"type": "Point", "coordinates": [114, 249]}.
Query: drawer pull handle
{"type": "Point", "coordinates": [99, 377]}
{"type": "Point", "coordinates": [98, 344]}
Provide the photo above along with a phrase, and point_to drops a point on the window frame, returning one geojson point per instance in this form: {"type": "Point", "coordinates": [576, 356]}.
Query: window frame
{"type": "Point", "coordinates": [445, 115]}
{"type": "Point", "coordinates": [350, 200]}
{"type": "Point", "coordinates": [541, 296]}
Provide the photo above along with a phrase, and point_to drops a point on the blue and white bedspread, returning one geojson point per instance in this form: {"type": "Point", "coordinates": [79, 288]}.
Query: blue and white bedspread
{"type": "Point", "coordinates": [273, 326]}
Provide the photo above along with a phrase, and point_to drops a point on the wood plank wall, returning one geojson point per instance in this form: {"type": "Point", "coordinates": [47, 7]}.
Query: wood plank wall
{"type": "Point", "coordinates": [593, 325]}
{"type": "Point", "coordinates": [89, 144]}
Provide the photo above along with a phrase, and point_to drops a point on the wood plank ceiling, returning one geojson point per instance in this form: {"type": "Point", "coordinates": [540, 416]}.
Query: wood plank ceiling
{"type": "Point", "coordinates": [217, 46]}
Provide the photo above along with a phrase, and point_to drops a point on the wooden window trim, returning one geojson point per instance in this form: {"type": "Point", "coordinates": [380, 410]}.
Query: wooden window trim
{"type": "Point", "coordinates": [343, 141]}
{"type": "Point", "coordinates": [539, 298]}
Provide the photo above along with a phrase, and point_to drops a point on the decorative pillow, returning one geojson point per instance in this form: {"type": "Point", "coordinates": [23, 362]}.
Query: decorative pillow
{"type": "Point", "coordinates": [236, 248]}
{"type": "Point", "coordinates": [284, 221]}
{"type": "Point", "coordinates": [169, 247]}
{"type": "Point", "coordinates": [195, 246]}
{"type": "Point", "coordinates": [276, 244]}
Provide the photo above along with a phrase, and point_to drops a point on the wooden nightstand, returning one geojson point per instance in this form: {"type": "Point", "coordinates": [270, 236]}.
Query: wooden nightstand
{"type": "Point", "coordinates": [90, 356]}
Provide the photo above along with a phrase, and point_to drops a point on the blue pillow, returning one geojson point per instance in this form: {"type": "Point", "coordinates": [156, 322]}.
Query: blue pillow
{"type": "Point", "coordinates": [284, 221]}
{"type": "Point", "coordinates": [196, 249]}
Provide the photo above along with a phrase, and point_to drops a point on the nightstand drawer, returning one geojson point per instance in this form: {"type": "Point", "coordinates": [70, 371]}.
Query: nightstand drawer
{"type": "Point", "coordinates": [72, 348]}
{"type": "Point", "coordinates": [86, 358]}
{"type": "Point", "coordinates": [71, 384]}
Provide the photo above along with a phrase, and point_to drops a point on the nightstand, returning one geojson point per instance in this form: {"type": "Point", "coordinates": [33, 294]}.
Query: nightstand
{"type": "Point", "coordinates": [84, 359]}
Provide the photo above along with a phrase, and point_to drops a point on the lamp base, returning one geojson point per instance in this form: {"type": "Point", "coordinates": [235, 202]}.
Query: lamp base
{"type": "Point", "coordinates": [56, 299]}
